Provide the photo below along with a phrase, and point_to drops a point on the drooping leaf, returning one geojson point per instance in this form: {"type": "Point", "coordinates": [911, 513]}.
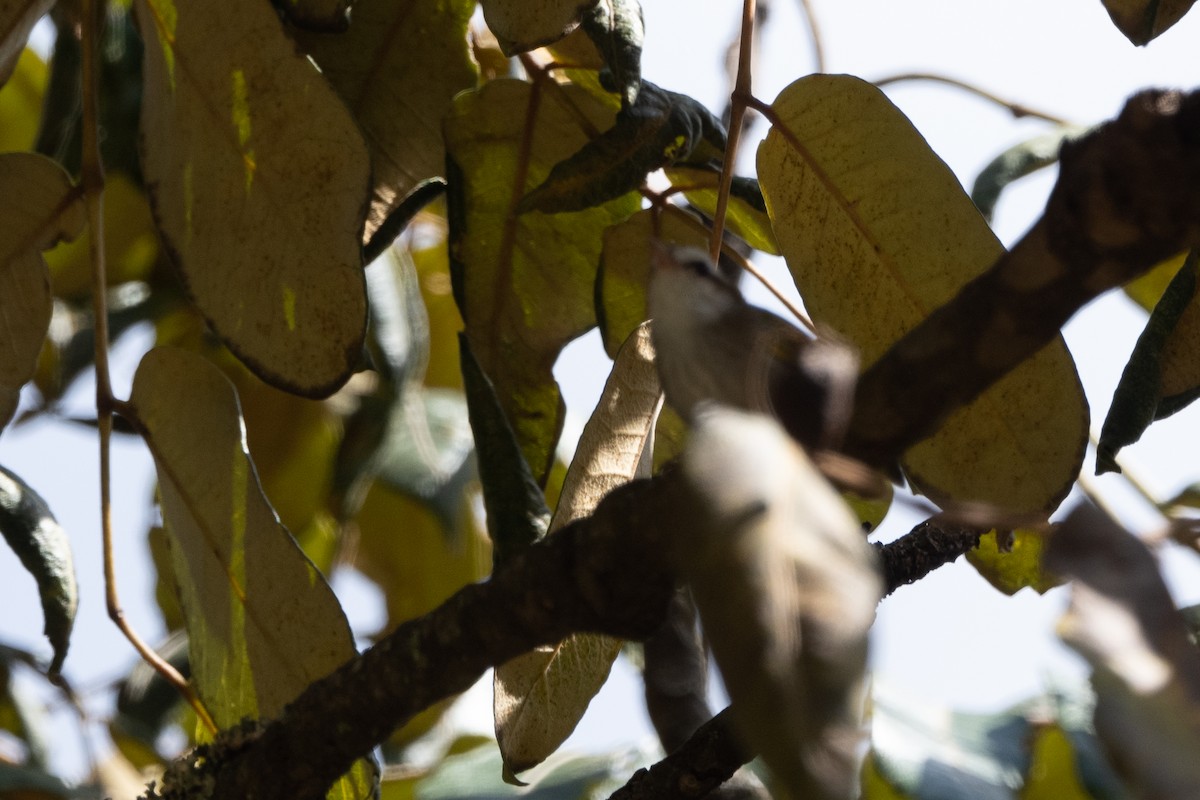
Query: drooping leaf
{"type": "Point", "coordinates": [397, 67]}
{"type": "Point", "coordinates": [17, 18]}
{"type": "Point", "coordinates": [1145, 669]}
{"type": "Point", "coordinates": [617, 30]}
{"type": "Point", "coordinates": [262, 623]}
{"type": "Point", "coordinates": [38, 207]}
{"type": "Point", "coordinates": [877, 233]}
{"type": "Point", "coordinates": [30, 529]}
{"type": "Point", "coordinates": [786, 586]}
{"type": "Point", "coordinates": [746, 214]}
{"type": "Point", "coordinates": [1016, 568]}
{"type": "Point", "coordinates": [524, 284]}
{"type": "Point", "coordinates": [517, 514]}
{"type": "Point", "coordinates": [660, 129]}
{"type": "Point", "coordinates": [1143, 20]}
{"type": "Point", "coordinates": [522, 25]}
{"type": "Point", "coordinates": [1018, 161]}
{"type": "Point", "coordinates": [625, 269]}
{"type": "Point", "coordinates": [258, 178]}
{"type": "Point", "coordinates": [541, 696]}
{"type": "Point", "coordinates": [1138, 399]}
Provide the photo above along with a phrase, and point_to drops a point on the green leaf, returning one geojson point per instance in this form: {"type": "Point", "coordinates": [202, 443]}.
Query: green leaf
{"type": "Point", "coordinates": [522, 25]}
{"type": "Point", "coordinates": [42, 545]}
{"type": "Point", "coordinates": [262, 622]}
{"type": "Point", "coordinates": [746, 215]}
{"type": "Point", "coordinates": [524, 283]}
{"type": "Point", "coordinates": [617, 30]}
{"type": "Point", "coordinates": [17, 18]}
{"type": "Point", "coordinates": [1148, 289]}
{"type": "Point", "coordinates": [21, 102]}
{"type": "Point", "coordinates": [660, 129]}
{"type": "Point", "coordinates": [38, 208]}
{"type": "Point", "coordinates": [625, 268]}
{"type": "Point", "coordinates": [1143, 20]}
{"type": "Point", "coordinates": [1138, 399]}
{"type": "Point", "coordinates": [231, 114]}
{"type": "Point", "coordinates": [397, 68]}
{"type": "Point", "coordinates": [877, 233]}
{"type": "Point", "coordinates": [517, 515]}
{"type": "Point", "coordinates": [1017, 162]}
{"type": "Point", "coordinates": [541, 696]}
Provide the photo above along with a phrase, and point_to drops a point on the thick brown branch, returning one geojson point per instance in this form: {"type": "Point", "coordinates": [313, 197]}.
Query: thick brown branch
{"type": "Point", "coordinates": [1127, 197]}
{"type": "Point", "coordinates": [928, 546]}
{"type": "Point", "coordinates": [602, 574]}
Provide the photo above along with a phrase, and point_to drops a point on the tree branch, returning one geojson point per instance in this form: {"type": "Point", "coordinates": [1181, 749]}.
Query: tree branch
{"type": "Point", "coordinates": [1126, 199]}
{"type": "Point", "coordinates": [703, 763]}
{"type": "Point", "coordinates": [926, 547]}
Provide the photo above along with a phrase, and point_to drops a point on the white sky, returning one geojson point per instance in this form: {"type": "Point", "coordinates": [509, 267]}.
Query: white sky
{"type": "Point", "coordinates": [952, 639]}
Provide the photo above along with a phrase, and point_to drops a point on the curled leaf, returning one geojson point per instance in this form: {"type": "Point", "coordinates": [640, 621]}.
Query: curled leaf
{"type": "Point", "coordinates": [617, 30]}
{"type": "Point", "coordinates": [660, 129]}
{"type": "Point", "coordinates": [1138, 398]}
{"type": "Point", "coordinates": [541, 696]}
{"type": "Point", "coordinates": [1017, 162]}
{"type": "Point", "coordinates": [786, 586]}
{"type": "Point", "coordinates": [40, 542]}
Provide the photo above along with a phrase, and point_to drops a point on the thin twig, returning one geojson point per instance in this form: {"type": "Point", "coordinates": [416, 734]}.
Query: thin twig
{"type": "Point", "coordinates": [814, 32]}
{"type": "Point", "coordinates": [739, 96]}
{"type": "Point", "coordinates": [92, 178]}
{"type": "Point", "coordinates": [1018, 110]}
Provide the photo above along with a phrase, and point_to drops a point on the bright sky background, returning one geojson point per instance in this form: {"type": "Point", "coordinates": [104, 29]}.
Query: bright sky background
{"type": "Point", "coordinates": [951, 640]}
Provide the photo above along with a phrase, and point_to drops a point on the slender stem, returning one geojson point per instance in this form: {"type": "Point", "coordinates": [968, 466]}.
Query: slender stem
{"type": "Point", "coordinates": [1130, 477]}
{"type": "Point", "coordinates": [92, 178]}
{"type": "Point", "coordinates": [738, 99]}
{"type": "Point", "coordinates": [814, 32]}
{"type": "Point", "coordinates": [795, 310]}
{"type": "Point", "coordinates": [1018, 110]}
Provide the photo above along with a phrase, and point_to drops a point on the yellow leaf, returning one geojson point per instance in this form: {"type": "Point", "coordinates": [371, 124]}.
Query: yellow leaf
{"type": "Point", "coordinates": [21, 103]}
{"type": "Point", "coordinates": [130, 243]}
{"type": "Point", "coordinates": [397, 68]}
{"type": "Point", "coordinates": [38, 207]}
{"type": "Point", "coordinates": [234, 119]}
{"type": "Point", "coordinates": [1052, 772]}
{"type": "Point", "coordinates": [877, 233]}
{"type": "Point", "coordinates": [17, 18]}
{"type": "Point", "coordinates": [745, 214]}
{"type": "Point", "coordinates": [1020, 567]}
{"type": "Point", "coordinates": [445, 323]}
{"type": "Point", "coordinates": [525, 284]}
{"type": "Point", "coordinates": [262, 622]}
{"type": "Point", "coordinates": [1147, 290]}
{"type": "Point", "coordinates": [541, 696]}
{"type": "Point", "coordinates": [874, 785]}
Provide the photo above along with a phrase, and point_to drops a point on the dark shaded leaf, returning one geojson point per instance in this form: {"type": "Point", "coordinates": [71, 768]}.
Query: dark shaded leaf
{"type": "Point", "coordinates": [660, 129]}
{"type": "Point", "coordinates": [146, 704]}
{"type": "Point", "coordinates": [326, 16]}
{"type": "Point", "coordinates": [397, 220]}
{"type": "Point", "coordinates": [1137, 399]}
{"type": "Point", "coordinates": [521, 25]}
{"type": "Point", "coordinates": [517, 514]}
{"type": "Point", "coordinates": [786, 586]}
{"type": "Point", "coordinates": [1017, 162]}
{"type": "Point", "coordinates": [1145, 669]}
{"type": "Point", "coordinates": [616, 28]}
{"type": "Point", "coordinates": [42, 545]}
{"type": "Point", "coordinates": [1143, 20]}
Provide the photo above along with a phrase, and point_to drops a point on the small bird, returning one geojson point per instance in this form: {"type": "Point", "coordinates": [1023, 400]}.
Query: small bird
{"type": "Point", "coordinates": [714, 346]}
